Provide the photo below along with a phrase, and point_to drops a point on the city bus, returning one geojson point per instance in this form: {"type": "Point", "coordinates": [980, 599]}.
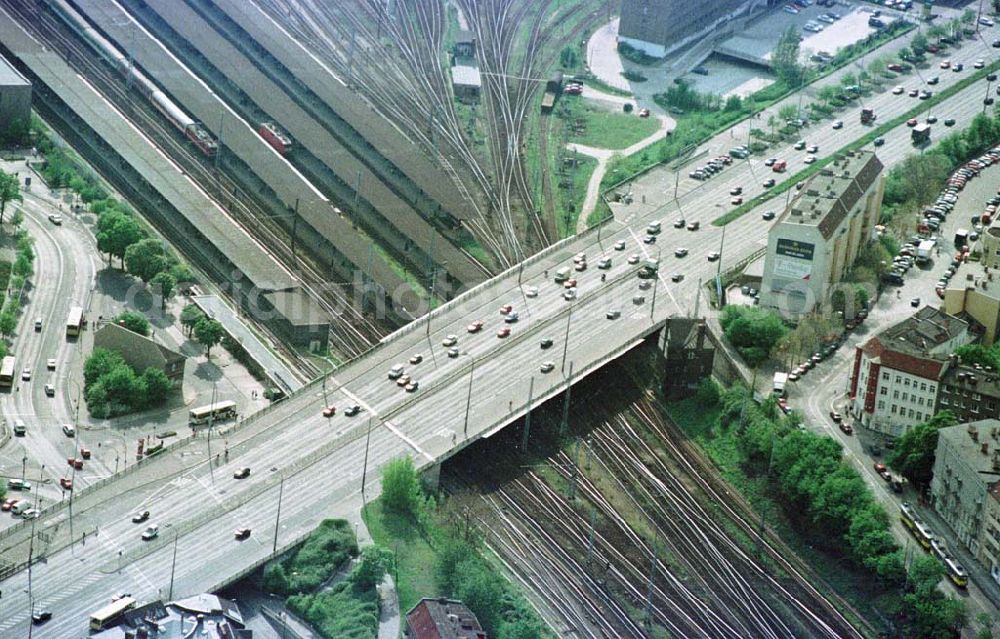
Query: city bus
{"type": "Point", "coordinates": [74, 323]}
{"type": "Point", "coordinates": [7, 370]}
{"type": "Point", "coordinates": [216, 412]}
{"type": "Point", "coordinates": [109, 613]}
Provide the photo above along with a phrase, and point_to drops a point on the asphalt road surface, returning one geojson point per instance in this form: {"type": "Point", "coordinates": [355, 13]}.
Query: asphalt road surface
{"type": "Point", "coordinates": [315, 463]}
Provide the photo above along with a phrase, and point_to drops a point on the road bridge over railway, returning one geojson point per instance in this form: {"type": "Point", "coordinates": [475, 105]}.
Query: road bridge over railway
{"type": "Point", "coordinates": [305, 467]}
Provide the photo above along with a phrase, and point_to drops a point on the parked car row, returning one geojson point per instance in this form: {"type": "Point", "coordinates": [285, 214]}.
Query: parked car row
{"type": "Point", "coordinates": [711, 168]}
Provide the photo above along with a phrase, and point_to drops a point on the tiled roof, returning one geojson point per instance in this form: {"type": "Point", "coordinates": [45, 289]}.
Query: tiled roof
{"type": "Point", "coordinates": [908, 346]}
{"type": "Point", "coordinates": [830, 195]}
{"type": "Point", "coordinates": [443, 619]}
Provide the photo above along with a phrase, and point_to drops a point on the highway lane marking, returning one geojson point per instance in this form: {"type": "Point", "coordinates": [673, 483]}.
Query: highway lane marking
{"type": "Point", "coordinates": [412, 444]}
{"type": "Point", "coordinates": [659, 275]}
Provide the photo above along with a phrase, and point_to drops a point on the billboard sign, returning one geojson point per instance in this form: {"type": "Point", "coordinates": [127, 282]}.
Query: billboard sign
{"type": "Point", "coordinates": [796, 249]}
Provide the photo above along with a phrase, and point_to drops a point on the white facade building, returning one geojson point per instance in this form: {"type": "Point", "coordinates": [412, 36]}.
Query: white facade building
{"type": "Point", "coordinates": [896, 375]}
{"type": "Point", "coordinates": [818, 237]}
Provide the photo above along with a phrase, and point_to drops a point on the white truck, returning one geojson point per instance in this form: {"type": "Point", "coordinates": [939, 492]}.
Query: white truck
{"type": "Point", "coordinates": [780, 379]}
{"type": "Point", "coordinates": [924, 251]}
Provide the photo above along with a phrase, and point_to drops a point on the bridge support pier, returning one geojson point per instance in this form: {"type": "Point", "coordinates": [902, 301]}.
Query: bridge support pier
{"type": "Point", "coordinates": [688, 355]}
{"type": "Point", "coordinates": [430, 477]}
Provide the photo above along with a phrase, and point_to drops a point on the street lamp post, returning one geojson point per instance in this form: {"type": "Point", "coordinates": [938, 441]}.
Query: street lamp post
{"type": "Point", "coordinates": [468, 399]}
{"type": "Point", "coordinates": [277, 517]}
{"type": "Point", "coordinates": [569, 319]}
{"type": "Point", "coordinates": [364, 467]}
{"type": "Point", "coordinates": [173, 565]}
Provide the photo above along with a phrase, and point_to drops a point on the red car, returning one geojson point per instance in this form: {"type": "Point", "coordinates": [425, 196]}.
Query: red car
{"type": "Point", "coordinates": [8, 504]}
{"type": "Point", "coordinates": [66, 483]}
{"type": "Point", "coordinates": [476, 326]}
{"type": "Point", "coordinates": [570, 283]}
{"type": "Point", "coordinates": [911, 122]}
{"type": "Point", "coordinates": [506, 308]}
{"type": "Point", "coordinates": [85, 453]}
{"type": "Point", "coordinates": [503, 332]}
{"type": "Point", "coordinates": [329, 411]}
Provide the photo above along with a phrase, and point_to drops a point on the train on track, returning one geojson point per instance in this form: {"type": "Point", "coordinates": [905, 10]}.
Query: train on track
{"type": "Point", "coordinates": [922, 533]}
{"type": "Point", "coordinates": [274, 136]}
{"type": "Point", "coordinates": [187, 125]}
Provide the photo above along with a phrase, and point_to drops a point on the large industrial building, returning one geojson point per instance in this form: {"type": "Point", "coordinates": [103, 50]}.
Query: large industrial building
{"type": "Point", "coordinates": [15, 97]}
{"type": "Point", "coordinates": [661, 27]}
{"type": "Point", "coordinates": [820, 233]}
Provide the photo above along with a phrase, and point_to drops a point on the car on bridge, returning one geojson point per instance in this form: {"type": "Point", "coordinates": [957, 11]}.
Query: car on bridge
{"type": "Point", "coordinates": [506, 308]}
{"type": "Point", "coordinates": [140, 517]}
{"type": "Point", "coordinates": [242, 473]}
{"type": "Point", "coordinates": [396, 371]}
{"type": "Point", "coordinates": [416, 358]}
{"type": "Point", "coordinates": [152, 532]}
{"type": "Point", "coordinates": [329, 411]}
{"type": "Point", "coordinates": [768, 183]}
{"type": "Point", "coordinates": [50, 364]}
{"type": "Point", "coordinates": [677, 277]}
{"type": "Point", "coordinates": [570, 283]}
{"type": "Point", "coordinates": [713, 256]}
{"type": "Point", "coordinates": [412, 386]}
{"type": "Point", "coordinates": [546, 343]}
{"type": "Point", "coordinates": [768, 215]}
{"type": "Point", "coordinates": [504, 331]}
{"type": "Point", "coordinates": [403, 381]}
{"type": "Point", "coordinates": [241, 533]}
{"type": "Point", "coordinates": [352, 410]}
{"type": "Point", "coordinates": [604, 263]}
{"type": "Point", "coordinates": [613, 314]}
{"type": "Point", "coordinates": [512, 317]}
{"type": "Point", "coordinates": [453, 352]}
{"type": "Point", "coordinates": [838, 124]}
{"type": "Point", "coordinates": [547, 367]}
{"type": "Point", "coordinates": [680, 252]}
{"type": "Point", "coordinates": [475, 326]}
{"type": "Point", "coordinates": [620, 245]}
{"type": "Point", "coordinates": [41, 617]}
{"type": "Point", "coordinates": [531, 291]}
{"type": "Point", "coordinates": [736, 200]}
{"type": "Point", "coordinates": [66, 483]}
{"type": "Point", "coordinates": [680, 223]}
{"type": "Point", "coordinates": [8, 504]}
{"type": "Point", "coordinates": [26, 374]}
{"type": "Point", "coordinates": [450, 340]}
{"type": "Point", "coordinates": [633, 258]}
{"type": "Point", "coordinates": [68, 430]}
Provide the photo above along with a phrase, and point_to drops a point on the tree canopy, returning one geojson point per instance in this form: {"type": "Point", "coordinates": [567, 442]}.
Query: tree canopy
{"type": "Point", "coordinates": [133, 321]}
{"type": "Point", "coordinates": [208, 332]}
{"type": "Point", "coordinates": [914, 452]}
{"type": "Point", "coordinates": [785, 59]}
{"type": "Point", "coordinates": [752, 331]}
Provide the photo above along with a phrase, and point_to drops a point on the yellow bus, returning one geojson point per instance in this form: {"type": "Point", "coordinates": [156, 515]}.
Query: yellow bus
{"type": "Point", "coordinates": [109, 613]}
{"type": "Point", "coordinates": [7, 371]}
{"type": "Point", "coordinates": [74, 323]}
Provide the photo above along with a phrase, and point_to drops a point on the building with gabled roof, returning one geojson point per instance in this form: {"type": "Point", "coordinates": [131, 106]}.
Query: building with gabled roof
{"type": "Point", "coordinates": [140, 352]}
{"type": "Point", "coordinates": [814, 244]}
{"type": "Point", "coordinates": [897, 373]}
{"type": "Point", "coordinates": [442, 618]}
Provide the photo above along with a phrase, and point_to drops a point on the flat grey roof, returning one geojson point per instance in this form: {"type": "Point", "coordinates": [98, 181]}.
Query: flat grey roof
{"type": "Point", "coordinates": [466, 76]}
{"type": "Point", "coordinates": [9, 76]}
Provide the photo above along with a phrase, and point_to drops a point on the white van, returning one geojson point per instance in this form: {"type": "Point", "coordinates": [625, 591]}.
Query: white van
{"type": "Point", "coordinates": [396, 371]}
{"type": "Point", "coordinates": [21, 506]}
{"type": "Point", "coordinates": [562, 274]}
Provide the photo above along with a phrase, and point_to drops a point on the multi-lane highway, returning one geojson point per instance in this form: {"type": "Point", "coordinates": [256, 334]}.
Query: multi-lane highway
{"type": "Point", "coordinates": [314, 464]}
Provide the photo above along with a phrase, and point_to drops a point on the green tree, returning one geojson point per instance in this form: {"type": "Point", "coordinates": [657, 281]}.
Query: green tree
{"type": "Point", "coordinates": [158, 386]}
{"type": "Point", "coordinates": [163, 283]}
{"type": "Point", "coordinates": [973, 354]}
{"type": "Point", "coordinates": [983, 619]}
{"type": "Point", "coordinates": [482, 592]}
{"type": "Point", "coordinates": [10, 191]}
{"type": "Point", "coordinates": [446, 564]}
{"type": "Point", "coordinates": [375, 562]}
{"type": "Point", "coordinates": [753, 331]}
{"type": "Point", "coordinates": [968, 16]}
{"type": "Point", "coordinates": [182, 274]}
{"type": "Point", "coordinates": [919, 42]}
{"type": "Point", "coordinates": [190, 316]}
{"type": "Point", "coordinates": [785, 59]}
{"type": "Point", "coordinates": [17, 219]}
{"type": "Point", "coordinates": [146, 258]}
{"type": "Point", "coordinates": [208, 332]}
{"type": "Point", "coordinates": [22, 266]}
{"type": "Point", "coordinates": [275, 578]}
{"type": "Point", "coordinates": [133, 321]}
{"type": "Point", "coordinates": [100, 362]}
{"type": "Point", "coordinates": [914, 452]}
{"type": "Point", "coordinates": [401, 487]}
{"type": "Point", "coordinates": [521, 629]}
{"type": "Point", "coordinates": [568, 58]}
{"type": "Point", "coordinates": [708, 393]}
{"type": "Point", "coordinates": [121, 386]}
{"type": "Point", "coordinates": [116, 231]}
{"type": "Point", "coordinates": [8, 322]}
{"type": "Point", "coordinates": [788, 112]}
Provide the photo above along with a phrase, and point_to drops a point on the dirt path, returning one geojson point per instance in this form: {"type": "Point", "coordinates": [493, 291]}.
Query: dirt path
{"type": "Point", "coordinates": [604, 155]}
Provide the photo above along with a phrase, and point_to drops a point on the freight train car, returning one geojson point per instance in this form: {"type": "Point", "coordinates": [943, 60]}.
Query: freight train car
{"type": "Point", "coordinates": [191, 129]}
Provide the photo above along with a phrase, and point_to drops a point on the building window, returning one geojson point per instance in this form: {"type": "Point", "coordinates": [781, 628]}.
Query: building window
{"type": "Point", "coordinates": [976, 396]}
{"type": "Point", "coordinates": [885, 376]}
{"type": "Point", "coordinates": [930, 389]}
{"type": "Point", "coordinates": [883, 391]}
{"type": "Point", "coordinates": [898, 379]}
{"type": "Point", "coordinates": [910, 413]}
{"type": "Point", "coordinates": [906, 382]}
{"type": "Point", "coordinates": [881, 405]}
{"type": "Point", "coordinates": [893, 409]}
{"type": "Point", "coordinates": [906, 397]}
{"type": "Point", "coordinates": [895, 394]}
{"type": "Point", "coordinates": [920, 417]}
{"type": "Point", "coordinates": [920, 401]}
{"type": "Point", "coordinates": [944, 401]}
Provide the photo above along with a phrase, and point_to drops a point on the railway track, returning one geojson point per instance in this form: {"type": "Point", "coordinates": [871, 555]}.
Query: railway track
{"type": "Point", "coordinates": [352, 333]}
{"type": "Point", "coordinates": [646, 504]}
